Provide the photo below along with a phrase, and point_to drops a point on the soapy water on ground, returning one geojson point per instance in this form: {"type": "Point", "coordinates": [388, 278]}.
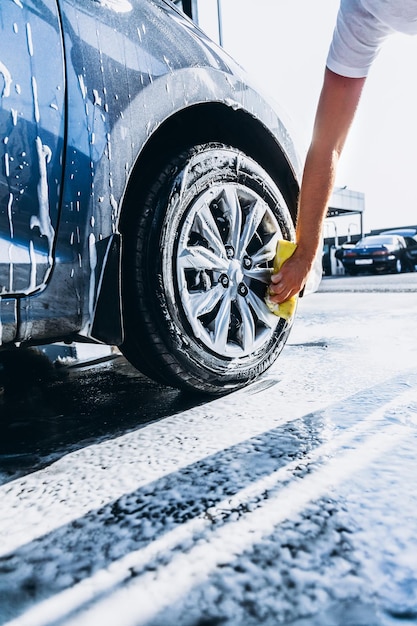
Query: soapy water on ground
{"type": "Point", "coordinates": [290, 502]}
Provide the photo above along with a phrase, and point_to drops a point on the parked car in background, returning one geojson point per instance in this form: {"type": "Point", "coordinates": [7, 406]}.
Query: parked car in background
{"type": "Point", "coordinates": [381, 253]}
{"type": "Point", "coordinates": [343, 249]}
{"type": "Point", "coordinates": [403, 232]}
{"type": "Point", "coordinates": [144, 184]}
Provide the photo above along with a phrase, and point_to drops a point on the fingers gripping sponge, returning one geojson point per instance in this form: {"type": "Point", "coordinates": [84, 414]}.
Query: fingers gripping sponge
{"type": "Point", "coordinates": [286, 309]}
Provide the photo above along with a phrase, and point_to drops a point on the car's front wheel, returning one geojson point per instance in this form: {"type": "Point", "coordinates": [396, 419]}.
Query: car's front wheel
{"type": "Point", "coordinates": [197, 263]}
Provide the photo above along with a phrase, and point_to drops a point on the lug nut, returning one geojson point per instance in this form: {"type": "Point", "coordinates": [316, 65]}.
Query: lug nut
{"type": "Point", "coordinates": [224, 280]}
{"type": "Point", "coordinates": [247, 262]}
{"type": "Point", "coordinates": [230, 253]}
{"type": "Point", "coordinates": [242, 289]}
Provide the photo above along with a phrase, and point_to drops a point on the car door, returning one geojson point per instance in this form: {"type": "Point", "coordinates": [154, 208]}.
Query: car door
{"type": "Point", "coordinates": [32, 109]}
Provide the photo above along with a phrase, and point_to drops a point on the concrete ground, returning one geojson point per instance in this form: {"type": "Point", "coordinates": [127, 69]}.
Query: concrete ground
{"type": "Point", "coordinates": [289, 502]}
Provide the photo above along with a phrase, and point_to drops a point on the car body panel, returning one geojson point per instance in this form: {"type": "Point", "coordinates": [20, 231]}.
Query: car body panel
{"type": "Point", "coordinates": [404, 232]}
{"type": "Point", "coordinates": [410, 238]}
{"type": "Point", "coordinates": [411, 250]}
{"type": "Point", "coordinates": [124, 83]}
{"type": "Point", "coordinates": [32, 124]}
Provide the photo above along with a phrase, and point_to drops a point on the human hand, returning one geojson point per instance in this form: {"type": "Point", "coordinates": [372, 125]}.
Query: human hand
{"type": "Point", "coordinates": [290, 280]}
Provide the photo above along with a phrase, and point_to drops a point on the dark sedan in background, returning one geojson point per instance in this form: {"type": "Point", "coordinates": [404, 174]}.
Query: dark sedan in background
{"type": "Point", "coordinates": [381, 253]}
{"type": "Point", "coordinates": [144, 183]}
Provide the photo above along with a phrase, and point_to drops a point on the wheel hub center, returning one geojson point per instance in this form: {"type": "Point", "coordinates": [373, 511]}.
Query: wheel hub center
{"type": "Point", "coordinates": [235, 272]}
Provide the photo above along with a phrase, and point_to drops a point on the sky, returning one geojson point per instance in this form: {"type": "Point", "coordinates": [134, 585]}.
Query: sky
{"type": "Point", "coordinates": [284, 44]}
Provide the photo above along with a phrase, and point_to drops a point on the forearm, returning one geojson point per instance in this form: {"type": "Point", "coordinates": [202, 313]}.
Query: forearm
{"type": "Point", "coordinates": [338, 101]}
{"type": "Point", "coordinates": [318, 181]}
{"type": "Point", "coordinates": [337, 105]}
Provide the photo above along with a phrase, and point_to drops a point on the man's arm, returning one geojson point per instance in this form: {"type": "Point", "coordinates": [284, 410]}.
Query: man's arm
{"type": "Point", "coordinates": [335, 112]}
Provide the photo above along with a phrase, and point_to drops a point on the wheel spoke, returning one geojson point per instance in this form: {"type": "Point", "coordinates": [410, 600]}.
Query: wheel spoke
{"type": "Point", "coordinates": [233, 212]}
{"type": "Point", "coordinates": [201, 258]}
{"type": "Point", "coordinates": [201, 302]}
{"type": "Point", "coordinates": [221, 327]}
{"type": "Point", "coordinates": [267, 252]}
{"type": "Point", "coordinates": [252, 222]}
{"type": "Point", "coordinates": [261, 310]}
{"type": "Point", "coordinates": [261, 274]}
{"type": "Point", "coordinates": [248, 325]}
{"type": "Point", "coordinates": [209, 230]}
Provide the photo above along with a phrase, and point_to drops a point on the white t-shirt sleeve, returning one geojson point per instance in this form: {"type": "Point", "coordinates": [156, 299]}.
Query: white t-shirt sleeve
{"type": "Point", "coordinates": [357, 38]}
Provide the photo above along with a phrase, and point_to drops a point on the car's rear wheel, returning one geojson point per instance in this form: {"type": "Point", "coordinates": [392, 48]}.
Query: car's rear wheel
{"type": "Point", "coordinates": [197, 263]}
{"type": "Point", "coordinates": [398, 266]}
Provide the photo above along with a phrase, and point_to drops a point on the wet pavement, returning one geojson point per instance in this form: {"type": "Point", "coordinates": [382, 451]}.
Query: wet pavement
{"type": "Point", "coordinates": [47, 411]}
{"type": "Point", "coordinates": [290, 502]}
{"type": "Point", "coordinates": [371, 283]}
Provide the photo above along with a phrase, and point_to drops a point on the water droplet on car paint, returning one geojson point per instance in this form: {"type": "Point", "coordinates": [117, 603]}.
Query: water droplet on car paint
{"type": "Point", "coordinates": [6, 164]}
{"type": "Point", "coordinates": [96, 98]}
{"type": "Point", "coordinates": [82, 85]}
{"type": "Point", "coordinates": [29, 39]}
{"type": "Point", "coordinates": [35, 100]}
{"type": "Point", "coordinates": [119, 6]}
{"type": "Point", "coordinates": [7, 80]}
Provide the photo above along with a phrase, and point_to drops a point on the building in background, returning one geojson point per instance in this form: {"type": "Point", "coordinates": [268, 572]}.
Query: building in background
{"type": "Point", "coordinates": [348, 205]}
{"type": "Point", "coordinates": [343, 227]}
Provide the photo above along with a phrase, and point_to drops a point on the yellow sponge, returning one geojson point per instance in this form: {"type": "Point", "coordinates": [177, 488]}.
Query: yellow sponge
{"type": "Point", "coordinates": [286, 309]}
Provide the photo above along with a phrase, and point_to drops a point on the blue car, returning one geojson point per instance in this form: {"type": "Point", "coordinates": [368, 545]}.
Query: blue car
{"type": "Point", "coordinates": [381, 253]}
{"type": "Point", "coordinates": [144, 183]}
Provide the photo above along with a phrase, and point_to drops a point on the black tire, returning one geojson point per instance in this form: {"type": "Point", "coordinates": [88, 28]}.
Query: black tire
{"type": "Point", "coordinates": [398, 267]}
{"type": "Point", "coordinates": [193, 303]}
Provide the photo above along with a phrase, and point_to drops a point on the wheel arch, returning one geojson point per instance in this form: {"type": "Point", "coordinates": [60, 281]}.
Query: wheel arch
{"type": "Point", "coordinates": [212, 122]}
{"type": "Point", "coordinates": [199, 123]}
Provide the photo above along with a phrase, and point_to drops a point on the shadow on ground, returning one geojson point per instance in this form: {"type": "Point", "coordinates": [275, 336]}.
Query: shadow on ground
{"type": "Point", "coordinates": [50, 410]}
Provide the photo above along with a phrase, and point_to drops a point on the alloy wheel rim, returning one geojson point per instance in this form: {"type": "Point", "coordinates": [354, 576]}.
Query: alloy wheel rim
{"type": "Point", "coordinates": [224, 258]}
